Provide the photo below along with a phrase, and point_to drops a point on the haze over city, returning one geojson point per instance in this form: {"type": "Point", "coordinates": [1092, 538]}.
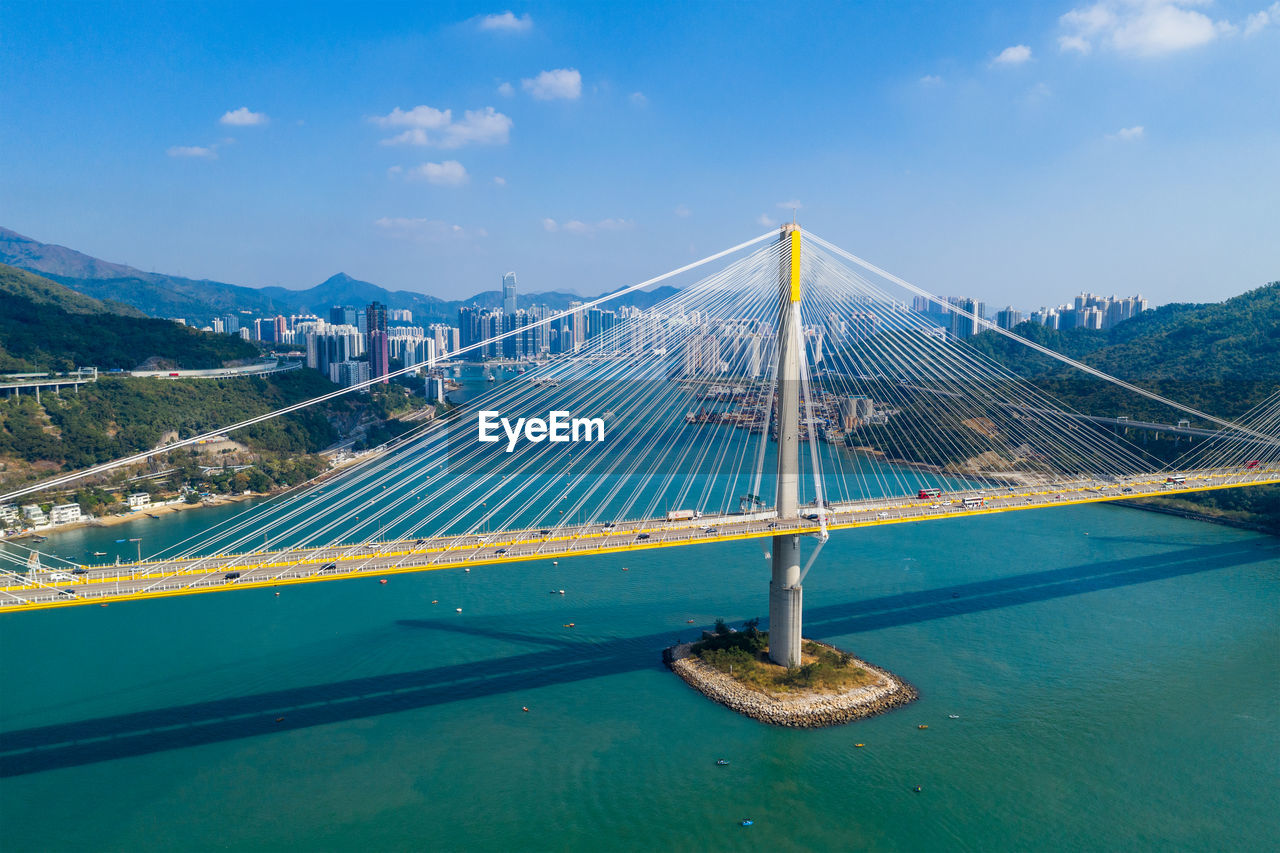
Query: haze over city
{"type": "Point", "coordinates": [1019, 153]}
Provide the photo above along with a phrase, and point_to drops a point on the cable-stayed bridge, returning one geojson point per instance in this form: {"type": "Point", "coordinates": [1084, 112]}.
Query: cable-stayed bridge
{"type": "Point", "coordinates": [790, 393]}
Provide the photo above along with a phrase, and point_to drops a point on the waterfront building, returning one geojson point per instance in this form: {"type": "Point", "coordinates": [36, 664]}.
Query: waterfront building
{"type": "Point", "coordinates": [34, 514]}
{"type": "Point", "coordinates": [138, 500]}
{"type": "Point", "coordinates": [64, 514]}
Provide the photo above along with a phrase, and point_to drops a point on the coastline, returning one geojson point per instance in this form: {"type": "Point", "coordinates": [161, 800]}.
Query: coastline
{"type": "Point", "coordinates": [794, 710]}
{"type": "Point", "coordinates": [1195, 515]}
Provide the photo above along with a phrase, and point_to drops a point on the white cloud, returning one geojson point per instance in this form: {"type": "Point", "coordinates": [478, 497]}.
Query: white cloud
{"type": "Point", "coordinates": [683, 212]}
{"type": "Point", "coordinates": [206, 152]}
{"type": "Point", "coordinates": [563, 83]}
{"type": "Point", "coordinates": [576, 226]}
{"type": "Point", "coordinates": [506, 90]}
{"type": "Point", "coordinates": [421, 230]}
{"type": "Point", "coordinates": [790, 205]}
{"type": "Point", "coordinates": [1128, 134]}
{"type": "Point", "coordinates": [507, 23]}
{"type": "Point", "coordinates": [1015, 55]}
{"type": "Point", "coordinates": [1037, 93]}
{"type": "Point", "coordinates": [1140, 27]}
{"type": "Point", "coordinates": [766, 220]}
{"type": "Point", "coordinates": [500, 181]}
{"type": "Point", "coordinates": [1260, 20]}
{"type": "Point", "coordinates": [450, 173]}
{"type": "Point", "coordinates": [931, 80]}
{"type": "Point", "coordinates": [243, 117]}
{"type": "Point", "coordinates": [429, 126]}
{"type": "Point", "coordinates": [638, 99]}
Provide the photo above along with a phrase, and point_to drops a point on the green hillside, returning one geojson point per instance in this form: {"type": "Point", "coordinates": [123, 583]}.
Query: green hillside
{"type": "Point", "coordinates": [1222, 358]}
{"type": "Point", "coordinates": [46, 326]}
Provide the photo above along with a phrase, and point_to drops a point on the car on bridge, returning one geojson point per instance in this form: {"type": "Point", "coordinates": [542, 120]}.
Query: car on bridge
{"type": "Point", "coordinates": [642, 536]}
{"type": "Point", "coordinates": [230, 576]}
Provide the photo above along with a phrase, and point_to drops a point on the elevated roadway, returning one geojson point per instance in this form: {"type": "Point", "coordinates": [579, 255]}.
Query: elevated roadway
{"type": "Point", "coordinates": [90, 584]}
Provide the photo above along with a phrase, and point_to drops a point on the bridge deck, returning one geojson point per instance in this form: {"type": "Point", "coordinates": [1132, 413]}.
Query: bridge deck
{"type": "Point", "coordinates": [159, 578]}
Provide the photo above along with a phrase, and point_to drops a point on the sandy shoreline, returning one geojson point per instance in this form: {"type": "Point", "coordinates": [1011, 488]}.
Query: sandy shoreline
{"type": "Point", "coordinates": [135, 515]}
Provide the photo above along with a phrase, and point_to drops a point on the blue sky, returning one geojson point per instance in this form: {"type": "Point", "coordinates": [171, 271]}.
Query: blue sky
{"type": "Point", "coordinates": [1017, 152]}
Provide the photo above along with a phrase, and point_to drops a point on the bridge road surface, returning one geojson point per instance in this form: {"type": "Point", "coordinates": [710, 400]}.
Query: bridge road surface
{"type": "Point", "coordinates": [153, 579]}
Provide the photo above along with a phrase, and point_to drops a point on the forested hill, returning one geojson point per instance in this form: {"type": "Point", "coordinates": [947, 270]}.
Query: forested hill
{"type": "Point", "coordinates": [1221, 357]}
{"type": "Point", "coordinates": [46, 326]}
{"type": "Point", "coordinates": [1235, 339]}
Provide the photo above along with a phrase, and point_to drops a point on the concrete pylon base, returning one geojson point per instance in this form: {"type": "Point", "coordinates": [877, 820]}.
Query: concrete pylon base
{"type": "Point", "coordinates": [785, 605]}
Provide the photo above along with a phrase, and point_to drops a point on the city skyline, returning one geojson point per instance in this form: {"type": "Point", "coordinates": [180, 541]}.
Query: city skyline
{"type": "Point", "coordinates": [1109, 146]}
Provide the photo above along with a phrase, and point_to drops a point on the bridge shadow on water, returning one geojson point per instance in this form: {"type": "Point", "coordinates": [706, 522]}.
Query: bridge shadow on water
{"type": "Point", "coordinates": [565, 660]}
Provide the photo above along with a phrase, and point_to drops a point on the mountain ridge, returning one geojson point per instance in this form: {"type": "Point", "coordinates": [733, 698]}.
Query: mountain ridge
{"type": "Point", "coordinates": [201, 300]}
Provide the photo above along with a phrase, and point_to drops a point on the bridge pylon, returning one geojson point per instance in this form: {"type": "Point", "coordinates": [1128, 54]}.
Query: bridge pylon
{"type": "Point", "coordinates": [786, 598]}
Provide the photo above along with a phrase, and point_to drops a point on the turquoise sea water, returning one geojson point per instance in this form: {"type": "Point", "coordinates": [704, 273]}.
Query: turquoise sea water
{"type": "Point", "coordinates": [1116, 674]}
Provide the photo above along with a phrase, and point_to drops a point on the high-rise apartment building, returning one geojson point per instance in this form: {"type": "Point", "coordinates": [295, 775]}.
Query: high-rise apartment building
{"type": "Point", "coordinates": [379, 351]}
{"type": "Point", "coordinates": [509, 293]}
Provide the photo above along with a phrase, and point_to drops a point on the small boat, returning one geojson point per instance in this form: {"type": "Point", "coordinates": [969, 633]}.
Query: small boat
{"type": "Point", "coordinates": [953, 716]}
{"type": "Point", "coordinates": [382, 580]}
{"type": "Point", "coordinates": [859, 745]}
{"type": "Point", "coordinates": [625, 569]}
{"type": "Point", "coordinates": [722, 762]}
{"type": "Point", "coordinates": [152, 515]}
{"type": "Point", "coordinates": [435, 601]}
{"type": "Point", "coordinates": [524, 708]}
{"type": "Point", "coordinates": [917, 789]}
{"type": "Point", "coordinates": [490, 378]}
{"type": "Point", "coordinates": [570, 625]}
{"type": "Point", "coordinates": [279, 719]}
{"type": "Point", "coordinates": [40, 538]}
{"type": "Point", "coordinates": [922, 726]}
{"type": "Point", "coordinates": [277, 596]}
{"type": "Point", "coordinates": [561, 592]}
{"type": "Point", "coordinates": [688, 621]}
{"type": "Point", "coordinates": [467, 569]}
{"type": "Point", "coordinates": [457, 609]}
{"type": "Point", "coordinates": [99, 553]}
{"type": "Point", "coordinates": [748, 822]}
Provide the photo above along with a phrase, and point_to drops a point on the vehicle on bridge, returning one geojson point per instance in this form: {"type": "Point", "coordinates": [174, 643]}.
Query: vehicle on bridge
{"type": "Point", "coordinates": [970, 503]}
{"type": "Point", "coordinates": [683, 515]}
{"type": "Point", "coordinates": [1176, 480]}
{"type": "Point", "coordinates": [925, 494]}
